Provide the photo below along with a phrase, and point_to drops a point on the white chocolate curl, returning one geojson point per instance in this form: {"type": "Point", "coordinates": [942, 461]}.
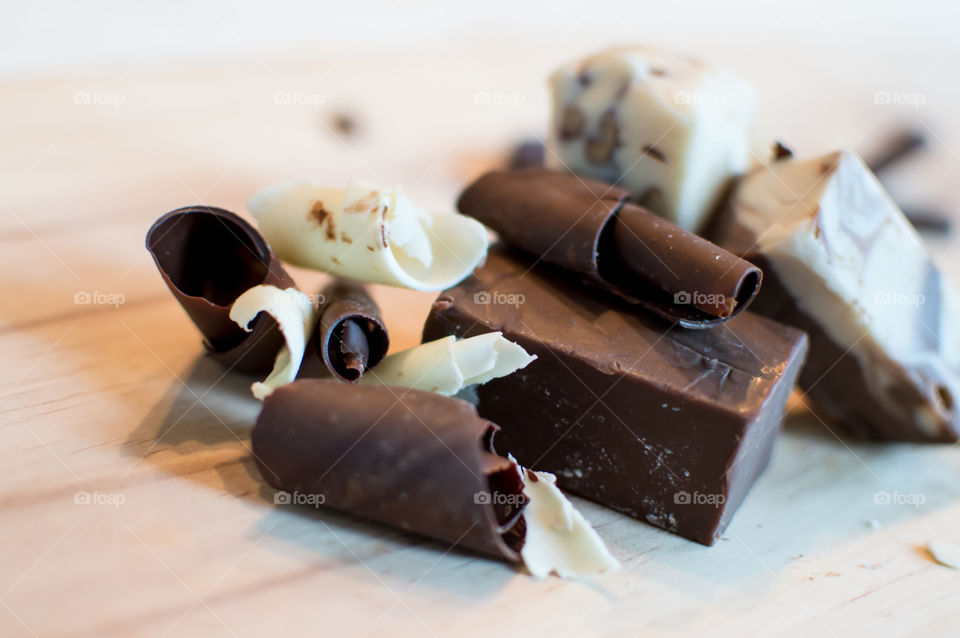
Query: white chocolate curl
{"type": "Point", "coordinates": [448, 365]}
{"type": "Point", "coordinates": [558, 538]}
{"type": "Point", "coordinates": [294, 314]}
{"type": "Point", "coordinates": [369, 233]}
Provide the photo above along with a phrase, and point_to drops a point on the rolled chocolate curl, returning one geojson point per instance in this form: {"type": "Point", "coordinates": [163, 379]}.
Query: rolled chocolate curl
{"type": "Point", "coordinates": [422, 463]}
{"type": "Point", "coordinates": [208, 257]}
{"type": "Point", "coordinates": [410, 459]}
{"type": "Point", "coordinates": [368, 233]}
{"type": "Point", "coordinates": [350, 336]}
{"type": "Point", "coordinates": [589, 228]}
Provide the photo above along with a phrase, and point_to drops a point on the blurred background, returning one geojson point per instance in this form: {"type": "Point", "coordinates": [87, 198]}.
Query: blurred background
{"type": "Point", "coordinates": [135, 109]}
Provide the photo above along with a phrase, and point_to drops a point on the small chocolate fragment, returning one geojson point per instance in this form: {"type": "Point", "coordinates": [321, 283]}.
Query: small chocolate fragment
{"type": "Point", "coordinates": [929, 221]}
{"type": "Point", "coordinates": [208, 257]}
{"type": "Point", "coordinates": [528, 154]}
{"type": "Point", "coordinates": [897, 148]}
{"type": "Point", "coordinates": [667, 425]}
{"type": "Point", "coordinates": [414, 460]}
{"type": "Point", "coordinates": [589, 228]}
{"type": "Point", "coordinates": [350, 336]}
{"type": "Point", "coordinates": [781, 152]}
{"type": "Point", "coordinates": [344, 123]}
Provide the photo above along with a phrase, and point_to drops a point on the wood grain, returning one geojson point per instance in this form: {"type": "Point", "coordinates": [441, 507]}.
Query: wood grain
{"type": "Point", "coordinates": [118, 401]}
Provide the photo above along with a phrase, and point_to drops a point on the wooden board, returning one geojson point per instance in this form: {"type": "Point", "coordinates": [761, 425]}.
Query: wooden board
{"type": "Point", "coordinates": [112, 401]}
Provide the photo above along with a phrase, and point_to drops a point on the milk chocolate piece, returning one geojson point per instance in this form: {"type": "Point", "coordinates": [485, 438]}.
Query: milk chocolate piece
{"type": "Point", "coordinates": [208, 257]}
{"type": "Point", "coordinates": [668, 425]}
{"type": "Point", "coordinates": [843, 264]}
{"type": "Point", "coordinates": [350, 337]}
{"type": "Point", "coordinates": [414, 460]}
{"type": "Point", "coordinates": [589, 228]}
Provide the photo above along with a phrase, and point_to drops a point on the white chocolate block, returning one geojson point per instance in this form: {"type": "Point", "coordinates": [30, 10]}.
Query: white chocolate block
{"type": "Point", "coordinates": [851, 262]}
{"type": "Point", "coordinates": [666, 127]}
{"type": "Point", "coordinates": [369, 233]}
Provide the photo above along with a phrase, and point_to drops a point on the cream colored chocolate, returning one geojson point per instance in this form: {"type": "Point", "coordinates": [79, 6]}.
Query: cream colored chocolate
{"type": "Point", "coordinates": [666, 127]}
{"type": "Point", "coordinates": [295, 315]}
{"type": "Point", "coordinates": [851, 262]}
{"type": "Point", "coordinates": [559, 539]}
{"type": "Point", "coordinates": [369, 233]}
{"type": "Point", "coordinates": [449, 365]}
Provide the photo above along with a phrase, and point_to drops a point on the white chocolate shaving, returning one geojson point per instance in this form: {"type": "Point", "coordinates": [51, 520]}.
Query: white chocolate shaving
{"type": "Point", "coordinates": [369, 233]}
{"type": "Point", "coordinates": [448, 365]}
{"type": "Point", "coordinates": [559, 539]}
{"type": "Point", "coordinates": [294, 314]}
{"type": "Point", "coordinates": [945, 553]}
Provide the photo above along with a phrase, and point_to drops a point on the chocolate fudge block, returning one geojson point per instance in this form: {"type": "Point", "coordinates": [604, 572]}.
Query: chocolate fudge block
{"type": "Point", "coordinates": [668, 425]}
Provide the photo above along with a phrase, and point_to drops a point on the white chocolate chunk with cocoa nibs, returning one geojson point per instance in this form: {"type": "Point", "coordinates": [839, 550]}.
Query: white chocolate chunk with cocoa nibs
{"type": "Point", "coordinates": [369, 233]}
{"type": "Point", "coordinates": [295, 315]}
{"type": "Point", "coordinates": [666, 127]}
{"type": "Point", "coordinates": [559, 539]}
{"type": "Point", "coordinates": [447, 366]}
{"type": "Point", "coordinates": [845, 262]}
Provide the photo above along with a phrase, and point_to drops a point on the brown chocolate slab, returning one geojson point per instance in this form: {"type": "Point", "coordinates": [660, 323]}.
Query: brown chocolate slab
{"type": "Point", "coordinates": [668, 425]}
{"type": "Point", "coordinates": [414, 460]}
{"type": "Point", "coordinates": [208, 257]}
{"type": "Point", "coordinates": [589, 228]}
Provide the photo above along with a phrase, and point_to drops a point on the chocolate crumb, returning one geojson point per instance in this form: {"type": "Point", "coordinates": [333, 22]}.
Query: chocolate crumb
{"type": "Point", "coordinates": [655, 153]}
{"type": "Point", "coordinates": [571, 123]}
{"type": "Point", "coordinates": [344, 123]}
{"type": "Point", "coordinates": [345, 239]}
{"type": "Point", "coordinates": [318, 213]}
{"type": "Point", "coordinates": [600, 149]}
{"type": "Point", "coordinates": [383, 234]}
{"type": "Point", "coordinates": [781, 152]}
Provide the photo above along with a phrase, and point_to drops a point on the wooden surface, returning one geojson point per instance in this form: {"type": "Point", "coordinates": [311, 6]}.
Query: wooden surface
{"type": "Point", "coordinates": [117, 402]}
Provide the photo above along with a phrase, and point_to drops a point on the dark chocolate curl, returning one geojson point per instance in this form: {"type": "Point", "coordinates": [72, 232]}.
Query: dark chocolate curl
{"type": "Point", "coordinates": [588, 227]}
{"type": "Point", "coordinates": [350, 337]}
{"type": "Point", "coordinates": [414, 460]}
{"type": "Point", "coordinates": [208, 257]}
{"type": "Point", "coordinates": [686, 267]}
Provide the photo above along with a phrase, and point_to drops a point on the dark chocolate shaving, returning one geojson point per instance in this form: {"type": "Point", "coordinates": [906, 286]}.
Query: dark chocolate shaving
{"type": "Point", "coordinates": [414, 460]}
{"type": "Point", "coordinates": [588, 227]}
{"type": "Point", "coordinates": [897, 148]}
{"type": "Point", "coordinates": [354, 350]}
{"type": "Point", "coordinates": [929, 221]}
{"type": "Point", "coordinates": [781, 152]}
{"type": "Point", "coordinates": [350, 336]}
{"type": "Point", "coordinates": [208, 257]}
